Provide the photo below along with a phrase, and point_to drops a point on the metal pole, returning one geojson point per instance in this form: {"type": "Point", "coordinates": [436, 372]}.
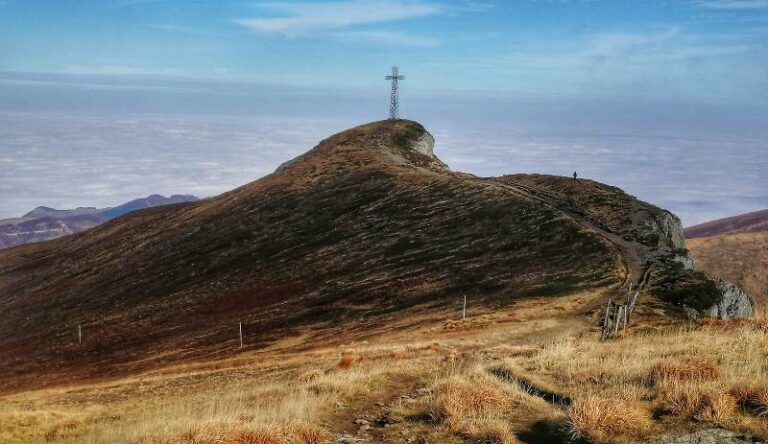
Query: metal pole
{"type": "Point", "coordinates": [464, 309]}
{"type": "Point", "coordinates": [241, 335]}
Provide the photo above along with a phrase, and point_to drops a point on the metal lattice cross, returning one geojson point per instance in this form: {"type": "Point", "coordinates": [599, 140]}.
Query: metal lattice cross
{"type": "Point", "coordinates": [393, 96]}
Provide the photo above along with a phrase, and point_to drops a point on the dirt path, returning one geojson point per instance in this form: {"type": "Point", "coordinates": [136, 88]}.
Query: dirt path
{"type": "Point", "coordinates": [378, 417]}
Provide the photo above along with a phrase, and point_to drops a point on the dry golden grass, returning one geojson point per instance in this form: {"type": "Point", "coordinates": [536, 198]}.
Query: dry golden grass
{"type": "Point", "coordinates": [704, 402]}
{"type": "Point", "coordinates": [692, 373]}
{"type": "Point", "coordinates": [470, 385]}
{"type": "Point", "coordinates": [683, 370]}
{"type": "Point", "coordinates": [605, 421]}
{"type": "Point", "coordinates": [459, 400]}
{"type": "Point", "coordinates": [304, 433]}
{"type": "Point", "coordinates": [752, 397]}
{"type": "Point", "coordinates": [492, 431]}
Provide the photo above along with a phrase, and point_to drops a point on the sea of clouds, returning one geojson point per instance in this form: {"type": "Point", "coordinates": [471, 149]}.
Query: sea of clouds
{"type": "Point", "coordinates": [700, 164]}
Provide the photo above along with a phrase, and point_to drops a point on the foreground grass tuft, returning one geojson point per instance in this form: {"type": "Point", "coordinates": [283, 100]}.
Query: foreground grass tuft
{"type": "Point", "coordinates": [604, 421]}
{"type": "Point", "coordinates": [752, 398]}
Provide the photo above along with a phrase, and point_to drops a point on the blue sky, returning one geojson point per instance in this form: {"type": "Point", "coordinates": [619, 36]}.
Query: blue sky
{"type": "Point", "coordinates": [692, 50]}
{"type": "Point", "coordinates": [104, 101]}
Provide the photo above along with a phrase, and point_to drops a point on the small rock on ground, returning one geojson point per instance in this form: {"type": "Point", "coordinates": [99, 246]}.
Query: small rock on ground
{"type": "Point", "coordinates": [710, 436]}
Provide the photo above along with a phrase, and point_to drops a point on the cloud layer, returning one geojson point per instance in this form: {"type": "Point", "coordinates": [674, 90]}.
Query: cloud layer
{"type": "Point", "coordinates": [70, 160]}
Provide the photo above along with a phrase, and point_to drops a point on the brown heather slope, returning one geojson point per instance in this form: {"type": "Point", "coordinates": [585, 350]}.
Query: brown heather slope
{"type": "Point", "coordinates": [744, 223]}
{"type": "Point", "coordinates": [365, 226]}
{"type": "Point", "coordinates": [738, 258]}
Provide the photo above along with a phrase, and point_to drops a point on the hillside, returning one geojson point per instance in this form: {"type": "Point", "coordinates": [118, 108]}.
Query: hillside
{"type": "Point", "coordinates": [745, 223]}
{"type": "Point", "coordinates": [45, 223]}
{"type": "Point", "coordinates": [366, 229]}
{"type": "Point", "coordinates": [739, 258]}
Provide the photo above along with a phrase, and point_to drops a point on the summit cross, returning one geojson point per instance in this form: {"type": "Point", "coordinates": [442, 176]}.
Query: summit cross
{"type": "Point", "coordinates": [393, 95]}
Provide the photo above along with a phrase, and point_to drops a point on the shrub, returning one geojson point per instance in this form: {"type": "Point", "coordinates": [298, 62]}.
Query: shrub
{"type": "Point", "coordinates": [346, 361]}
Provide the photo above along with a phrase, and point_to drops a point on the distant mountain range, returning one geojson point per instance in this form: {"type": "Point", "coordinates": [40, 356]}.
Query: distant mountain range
{"type": "Point", "coordinates": [45, 223]}
{"type": "Point", "coordinates": [745, 223]}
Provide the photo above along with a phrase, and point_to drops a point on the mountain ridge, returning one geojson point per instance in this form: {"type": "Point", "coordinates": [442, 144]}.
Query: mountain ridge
{"type": "Point", "coordinates": [754, 222]}
{"type": "Point", "coordinates": [366, 225]}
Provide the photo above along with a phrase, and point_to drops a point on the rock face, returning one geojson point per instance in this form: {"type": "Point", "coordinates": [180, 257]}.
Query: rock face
{"type": "Point", "coordinates": [684, 258]}
{"type": "Point", "coordinates": [697, 294]}
{"type": "Point", "coordinates": [735, 303]}
{"type": "Point", "coordinates": [668, 227]}
{"type": "Point", "coordinates": [425, 144]}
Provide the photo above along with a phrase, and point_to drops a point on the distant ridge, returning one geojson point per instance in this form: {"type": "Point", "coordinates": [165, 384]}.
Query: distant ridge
{"type": "Point", "coordinates": [146, 202]}
{"type": "Point", "coordinates": [754, 222]}
{"type": "Point", "coordinates": [46, 223]}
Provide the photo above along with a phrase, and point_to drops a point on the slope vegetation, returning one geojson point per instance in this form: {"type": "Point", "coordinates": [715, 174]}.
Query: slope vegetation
{"type": "Point", "coordinates": [366, 227]}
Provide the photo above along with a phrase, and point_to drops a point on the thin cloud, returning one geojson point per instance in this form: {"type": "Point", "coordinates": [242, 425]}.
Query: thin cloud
{"type": "Point", "coordinates": [386, 38]}
{"type": "Point", "coordinates": [734, 5]}
{"type": "Point", "coordinates": [292, 19]}
{"type": "Point", "coordinates": [623, 44]}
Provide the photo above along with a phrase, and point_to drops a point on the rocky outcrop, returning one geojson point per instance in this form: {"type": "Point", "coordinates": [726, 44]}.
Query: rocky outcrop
{"type": "Point", "coordinates": [735, 303]}
{"type": "Point", "coordinates": [676, 280]}
{"type": "Point", "coordinates": [666, 227]}
{"type": "Point", "coordinates": [684, 258]}
{"type": "Point", "coordinates": [697, 294]}
{"type": "Point", "coordinates": [425, 144]}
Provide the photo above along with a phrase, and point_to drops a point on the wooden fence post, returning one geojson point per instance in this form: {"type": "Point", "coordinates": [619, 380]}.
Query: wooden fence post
{"type": "Point", "coordinates": [79, 334]}
{"type": "Point", "coordinates": [617, 315]}
{"type": "Point", "coordinates": [626, 317]}
{"type": "Point", "coordinates": [241, 335]}
{"type": "Point", "coordinates": [634, 300]}
{"type": "Point", "coordinates": [607, 318]}
{"type": "Point", "coordinates": [464, 309]}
